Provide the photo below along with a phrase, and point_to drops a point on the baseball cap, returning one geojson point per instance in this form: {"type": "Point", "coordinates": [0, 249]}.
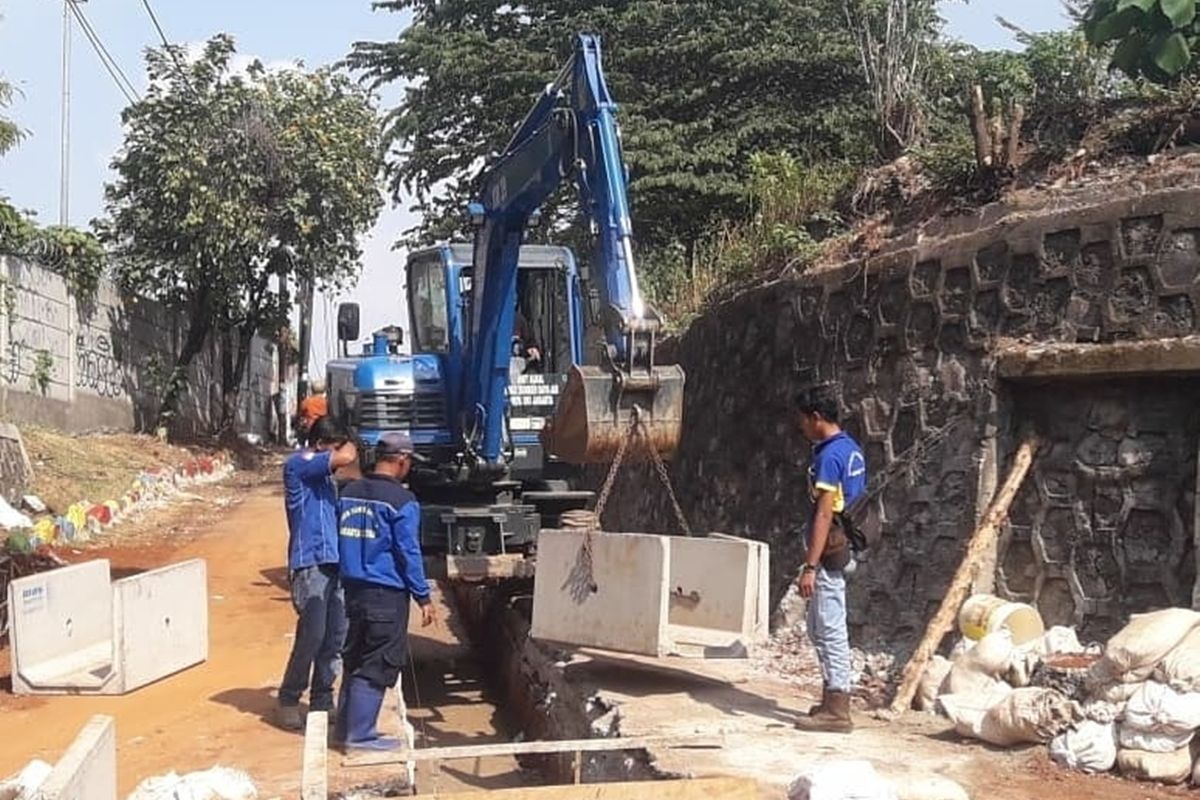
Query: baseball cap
{"type": "Point", "coordinates": [397, 443]}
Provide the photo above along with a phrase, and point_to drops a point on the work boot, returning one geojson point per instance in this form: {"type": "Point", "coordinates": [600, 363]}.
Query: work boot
{"type": "Point", "coordinates": [833, 718]}
{"type": "Point", "coordinates": [363, 702]}
{"type": "Point", "coordinates": [819, 707]}
{"type": "Point", "coordinates": [337, 731]}
{"type": "Point", "coordinates": [290, 718]}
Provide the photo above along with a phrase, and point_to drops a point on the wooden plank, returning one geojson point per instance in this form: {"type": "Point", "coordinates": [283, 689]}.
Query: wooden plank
{"type": "Point", "coordinates": [982, 541]}
{"type": "Point", "coordinates": [715, 788]}
{"type": "Point", "coordinates": [315, 777]}
{"type": "Point", "coordinates": [531, 748]}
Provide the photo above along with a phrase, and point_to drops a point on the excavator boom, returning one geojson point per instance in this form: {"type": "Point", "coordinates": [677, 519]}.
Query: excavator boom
{"type": "Point", "coordinates": [571, 132]}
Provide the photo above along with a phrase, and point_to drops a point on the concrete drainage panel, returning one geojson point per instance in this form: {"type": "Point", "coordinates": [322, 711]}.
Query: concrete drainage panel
{"type": "Point", "coordinates": [651, 595]}
{"type": "Point", "coordinates": [74, 632]}
{"type": "Point", "coordinates": [88, 770]}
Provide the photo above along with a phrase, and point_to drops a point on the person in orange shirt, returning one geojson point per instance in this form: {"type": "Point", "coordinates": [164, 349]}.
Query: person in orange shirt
{"type": "Point", "coordinates": [312, 408]}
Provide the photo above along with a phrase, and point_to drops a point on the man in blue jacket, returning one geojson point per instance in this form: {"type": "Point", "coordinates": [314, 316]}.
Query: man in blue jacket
{"type": "Point", "coordinates": [383, 571]}
{"type": "Point", "coordinates": [311, 505]}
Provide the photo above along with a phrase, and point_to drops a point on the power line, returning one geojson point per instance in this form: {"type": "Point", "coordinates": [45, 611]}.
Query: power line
{"type": "Point", "coordinates": [169, 47]}
{"type": "Point", "coordinates": [106, 59]}
{"type": "Point", "coordinates": [94, 37]}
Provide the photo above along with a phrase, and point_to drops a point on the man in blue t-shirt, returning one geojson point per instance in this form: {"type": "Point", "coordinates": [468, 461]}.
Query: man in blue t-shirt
{"type": "Point", "coordinates": [310, 499]}
{"type": "Point", "coordinates": [837, 477]}
{"type": "Point", "coordinates": [383, 571]}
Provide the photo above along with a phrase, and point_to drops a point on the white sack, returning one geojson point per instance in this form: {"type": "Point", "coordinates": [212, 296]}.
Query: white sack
{"type": "Point", "coordinates": [1090, 747]}
{"type": "Point", "coordinates": [841, 780]}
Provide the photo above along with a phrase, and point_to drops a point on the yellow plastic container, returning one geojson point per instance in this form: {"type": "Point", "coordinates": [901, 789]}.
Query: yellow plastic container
{"type": "Point", "coordinates": [985, 613]}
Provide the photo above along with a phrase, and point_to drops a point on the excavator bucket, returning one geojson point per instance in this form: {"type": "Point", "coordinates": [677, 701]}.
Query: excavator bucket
{"type": "Point", "coordinates": [596, 410]}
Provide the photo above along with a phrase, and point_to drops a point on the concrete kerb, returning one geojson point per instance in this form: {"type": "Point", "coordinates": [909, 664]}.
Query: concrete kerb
{"type": "Point", "coordinates": [88, 770]}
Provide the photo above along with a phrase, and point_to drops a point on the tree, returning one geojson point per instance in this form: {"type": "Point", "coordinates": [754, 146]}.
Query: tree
{"type": "Point", "coordinates": [1155, 39]}
{"type": "Point", "coordinates": [701, 87]}
{"type": "Point", "coordinates": [895, 39]}
{"type": "Point", "coordinates": [10, 132]}
{"type": "Point", "coordinates": [233, 188]}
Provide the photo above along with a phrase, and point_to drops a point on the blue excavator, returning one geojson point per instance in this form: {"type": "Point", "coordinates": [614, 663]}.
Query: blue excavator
{"type": "Point", "coordinates": [526, 365]}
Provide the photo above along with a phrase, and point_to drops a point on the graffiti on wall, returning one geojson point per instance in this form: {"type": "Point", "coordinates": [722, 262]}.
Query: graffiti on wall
{"type": "Point", "coordinates": [97, 367]}
{"type": "Point", "coordinates": [19, 353]}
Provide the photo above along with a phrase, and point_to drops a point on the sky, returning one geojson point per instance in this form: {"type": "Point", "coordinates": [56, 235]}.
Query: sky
{"type": "Point", "coordinates": [276, 31]}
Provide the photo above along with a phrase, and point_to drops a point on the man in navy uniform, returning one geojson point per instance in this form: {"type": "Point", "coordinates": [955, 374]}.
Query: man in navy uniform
{"type": "Point", "coordinates": [837, 476]}
{"type": "Point", "coordinates": [311, 504]}
{"type": "Point", "coordinates": [383, 572]}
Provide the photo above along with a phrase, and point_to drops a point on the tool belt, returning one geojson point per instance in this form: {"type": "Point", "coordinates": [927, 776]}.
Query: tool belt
{"type": "Point", "coordinates": [844, 542]}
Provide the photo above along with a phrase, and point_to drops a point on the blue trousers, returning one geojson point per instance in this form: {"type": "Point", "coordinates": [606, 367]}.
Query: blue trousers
{"type": "Point", "coordinates": [827, 629]}
{"type": "Point", "coordinates": [377, 643]}
{"type": "Point", "coordinates": [320, 607]}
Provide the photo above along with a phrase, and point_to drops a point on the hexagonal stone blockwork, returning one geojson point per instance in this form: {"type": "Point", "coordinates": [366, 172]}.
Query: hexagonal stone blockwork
{"type": "Point", "coordinates": [1104, 525]}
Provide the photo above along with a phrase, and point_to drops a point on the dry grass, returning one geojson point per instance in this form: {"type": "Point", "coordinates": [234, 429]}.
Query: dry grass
{"type": "Point", "coordinates": [95, 467]}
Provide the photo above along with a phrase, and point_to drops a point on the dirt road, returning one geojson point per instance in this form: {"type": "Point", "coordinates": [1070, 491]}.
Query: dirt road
{"type": "Point", "coordinates": [220, 712]}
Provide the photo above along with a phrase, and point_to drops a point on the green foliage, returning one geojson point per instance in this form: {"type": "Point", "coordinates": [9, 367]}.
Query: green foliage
{"type": "Point", "coordinates": [42, 372]}
{"type": "Point", "coordinates": [10, 132]}
{"type": "Point", "coordinates": [1154, 39]}
{"type": "Point", "coordinates": [950, 163]}
{"type": "Point", "coordinates": [790, 213]}
{"type": "Point", "coordinates": [1069, 87]}
{"type": "Point", "coordinates": [701, 87]}
{"type": "Point", "coordinates": [74, 254]}
{"type": "Point", "coordinates": [1060, 81]}
{"type": "Point", "coordinates": [77, 256]}
{"type": "Point", "coordinates": [233, 188]}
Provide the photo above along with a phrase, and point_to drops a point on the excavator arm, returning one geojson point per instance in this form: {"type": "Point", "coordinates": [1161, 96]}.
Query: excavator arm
{"type": "Point", "coordinates": [570, 133]}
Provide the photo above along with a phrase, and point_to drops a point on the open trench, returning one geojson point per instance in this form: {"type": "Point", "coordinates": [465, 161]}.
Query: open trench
{"type": "Point", "coordinates": [495, 684]}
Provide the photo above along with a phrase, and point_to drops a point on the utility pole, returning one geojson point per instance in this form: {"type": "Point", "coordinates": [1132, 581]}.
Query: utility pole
{"type": "Point", "coordinates": [64, 156]}
{"type": "Point", "coordinates": [306, 315]}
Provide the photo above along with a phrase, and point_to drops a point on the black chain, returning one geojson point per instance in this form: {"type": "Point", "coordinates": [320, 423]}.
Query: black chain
{"type": "Point", "coordinates": [636, 426]}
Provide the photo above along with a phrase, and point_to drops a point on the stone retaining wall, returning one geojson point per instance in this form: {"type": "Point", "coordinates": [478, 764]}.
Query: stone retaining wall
{"type": "Point", "coordinates": [907, 339]}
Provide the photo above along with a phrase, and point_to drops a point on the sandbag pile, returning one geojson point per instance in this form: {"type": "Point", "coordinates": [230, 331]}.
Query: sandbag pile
{"type": "Point", "coordinates": [1135, 708]}
{"type": "Point", "coordinates": [986, 691]}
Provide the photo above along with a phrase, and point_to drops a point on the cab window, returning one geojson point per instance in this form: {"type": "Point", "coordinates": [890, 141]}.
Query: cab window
{"type": "Point", "coordinates": [427, 299]}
